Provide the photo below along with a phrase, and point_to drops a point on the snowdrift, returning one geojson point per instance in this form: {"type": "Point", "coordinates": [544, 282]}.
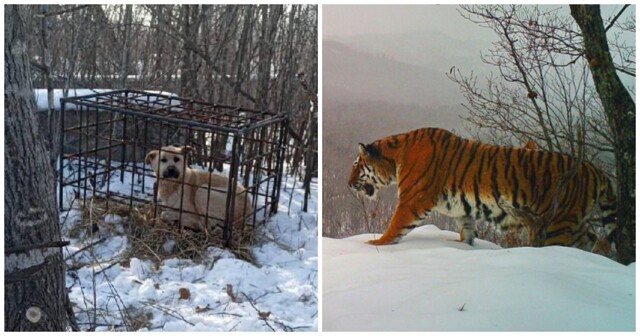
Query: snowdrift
{"type": "Point", "coordinates": [429, 282]}
{"type": "Point", "coordinates": [110, 292]}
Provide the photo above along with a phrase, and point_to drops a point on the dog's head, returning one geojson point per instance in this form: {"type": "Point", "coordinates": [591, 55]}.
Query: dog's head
{"type": "Point", "coordinates": [169, 162]}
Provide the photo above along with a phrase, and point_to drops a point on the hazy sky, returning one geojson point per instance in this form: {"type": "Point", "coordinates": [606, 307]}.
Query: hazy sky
{"type": "Point", "coordinates": [354, 19]}
{"type": "Point", "coordinates": [349, 20]}
{"type": "Point", "coordinates": [361, 19]}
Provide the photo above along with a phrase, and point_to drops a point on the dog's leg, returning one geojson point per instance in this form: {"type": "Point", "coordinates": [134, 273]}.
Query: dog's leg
{"type": "Point", "coordinates": [171, 216]}
{"type": "Point", "coordinates": [206, 232]}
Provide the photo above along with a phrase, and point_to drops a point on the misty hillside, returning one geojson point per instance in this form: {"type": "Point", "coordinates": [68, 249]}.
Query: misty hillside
{"type": "Point", "coordinates": [431, 49]}
{"type": "Point", "coordinates": [354, 75]}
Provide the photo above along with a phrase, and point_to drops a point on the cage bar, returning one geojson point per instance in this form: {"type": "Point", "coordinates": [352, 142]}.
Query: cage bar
{"type": "Point", "coordinates": [105, 136]}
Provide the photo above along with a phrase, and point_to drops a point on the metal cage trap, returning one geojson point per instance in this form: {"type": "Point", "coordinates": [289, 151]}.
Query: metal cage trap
{"type": "Point", "coordinates": [105, 137]}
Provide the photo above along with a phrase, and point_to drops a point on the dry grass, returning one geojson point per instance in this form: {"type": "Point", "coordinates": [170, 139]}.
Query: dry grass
{"type": "Point", "coordinates": [148, 234]}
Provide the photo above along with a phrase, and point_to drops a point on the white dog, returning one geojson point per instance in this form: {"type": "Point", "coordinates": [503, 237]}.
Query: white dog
{"type": "Point", "coordinates": [180, 187]}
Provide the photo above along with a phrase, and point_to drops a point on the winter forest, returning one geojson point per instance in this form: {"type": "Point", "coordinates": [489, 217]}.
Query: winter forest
{"type": "Point", "coordinates": [558, 76]}
{"type": "Point", "coordinates": [187, 168]}
{"type": "Point", "coordinates": [122, 268]}
{"type": "Point", "coordinates": [500, 74]}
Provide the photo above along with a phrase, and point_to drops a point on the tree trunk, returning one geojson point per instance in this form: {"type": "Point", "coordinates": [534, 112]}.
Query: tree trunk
{"type": "Point", "coordinates": [35, 293]}
{"type": "Point", "coordinates": [189, 69]}
{"type": "Point", "coordinates": [77, 36]}
{"type": "Point", "coordinates": [46, 73]}
{"type": "Point", "coordinates": [160, 23]}
{"type": "Point", "coordinates": [270, 16]}
{"type": "Point", "coordinates": [620, 111]}
{"type": "Point", "coordinates": [126, 42]}
{"type": "Point", "coordinates": [240, 64]}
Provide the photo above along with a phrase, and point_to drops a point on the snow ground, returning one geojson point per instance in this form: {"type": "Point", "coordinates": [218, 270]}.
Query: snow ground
{"type": "Point", "coordinates": [279, 293]}
{"type": "Point", "coordinates": [429, 282]}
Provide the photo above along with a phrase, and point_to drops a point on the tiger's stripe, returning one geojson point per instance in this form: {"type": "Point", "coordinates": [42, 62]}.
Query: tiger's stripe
{"type": "Point", "coordinates": [551, 193]}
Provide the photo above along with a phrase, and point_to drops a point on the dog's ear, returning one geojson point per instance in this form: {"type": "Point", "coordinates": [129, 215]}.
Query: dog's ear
{"type": "Point", "coordinates": [150, 156]}
{"type": "Point", "coordinates": [186, 149]}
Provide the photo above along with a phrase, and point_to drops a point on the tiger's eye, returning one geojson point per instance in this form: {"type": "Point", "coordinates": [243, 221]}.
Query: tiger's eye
{"type": "Point", "coordinates": [176, 159]}
{"type": "Point", "coordinates": [164, 159]}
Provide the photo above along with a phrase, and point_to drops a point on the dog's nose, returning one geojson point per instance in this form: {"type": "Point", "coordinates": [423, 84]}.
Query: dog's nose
{"type": "Point", "coordinates": [171, 172]}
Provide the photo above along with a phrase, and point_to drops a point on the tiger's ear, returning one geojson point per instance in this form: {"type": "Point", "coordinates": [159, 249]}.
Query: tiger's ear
{"type": "Point", "coordinates": [368, 150]}
{"type": "Point", "coordinates": [362, 149]}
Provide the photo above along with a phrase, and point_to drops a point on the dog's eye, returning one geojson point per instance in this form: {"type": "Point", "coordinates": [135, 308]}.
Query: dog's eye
{"type": "Point", "coordinates": [176, 159]}
{"type": "Point", "coordinates": [164, 160]}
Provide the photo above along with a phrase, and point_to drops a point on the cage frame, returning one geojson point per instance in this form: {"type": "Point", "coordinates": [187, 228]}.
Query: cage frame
{"type": "Point", "coordinates": [240, 131]}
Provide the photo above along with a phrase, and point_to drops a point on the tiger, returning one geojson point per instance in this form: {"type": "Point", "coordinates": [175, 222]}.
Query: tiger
{"type": "Point", "coordinates": [553, 194]}
{"type": "Point", "coordinates": [601, 246]}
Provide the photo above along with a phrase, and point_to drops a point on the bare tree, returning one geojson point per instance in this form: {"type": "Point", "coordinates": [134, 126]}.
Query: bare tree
{"type": "Point", "coordinates": [35, 292]}
{"type": "Point", "coordinates": [619, 109]}
{"type": "Point", "coordinates": [543, 91]}
{"type": "Point", "coordinates": [546, 91]}
{"type": "Point", "coordinates": [126, 41]}
{"type": "Point", "coordinates": [244, 55]}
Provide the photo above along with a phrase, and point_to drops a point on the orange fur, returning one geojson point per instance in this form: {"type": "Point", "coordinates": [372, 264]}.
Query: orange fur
{"type": "Point", "coordinates": [551, 193]}
{"type": "Point", "coordinates": [531, 145]}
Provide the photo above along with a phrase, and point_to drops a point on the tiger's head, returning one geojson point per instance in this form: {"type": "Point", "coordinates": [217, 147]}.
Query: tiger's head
{"type": "Point", "coordinates": [371, 171]}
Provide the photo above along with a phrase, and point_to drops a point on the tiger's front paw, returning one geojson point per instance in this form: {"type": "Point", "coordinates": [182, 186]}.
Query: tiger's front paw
{"type": "Point", "coordinates": [380, 241]}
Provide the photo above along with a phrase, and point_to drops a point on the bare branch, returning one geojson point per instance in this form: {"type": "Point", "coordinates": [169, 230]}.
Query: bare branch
{"type": "Point", "coordinates": [63, 11]}
{"type": "Point", "coordinates": [615, 18]}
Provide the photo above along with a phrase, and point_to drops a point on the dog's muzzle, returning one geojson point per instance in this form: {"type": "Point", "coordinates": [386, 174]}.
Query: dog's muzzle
{"type": "Point", "coordinates": [171, 172]}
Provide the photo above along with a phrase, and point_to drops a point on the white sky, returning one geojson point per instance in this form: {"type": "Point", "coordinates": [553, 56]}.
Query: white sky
{"type": "Point", "coordinates": [361, 19]}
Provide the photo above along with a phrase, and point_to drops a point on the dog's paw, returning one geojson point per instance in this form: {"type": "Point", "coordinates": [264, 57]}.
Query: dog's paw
{"type": "Point", "coordinates": [168, 216]}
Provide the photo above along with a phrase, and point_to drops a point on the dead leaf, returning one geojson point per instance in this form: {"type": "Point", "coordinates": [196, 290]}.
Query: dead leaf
{"type": "Point", "coordinates": [184, 294]}
{"type": "Point", "coordinates": [202, 310]}
{"type": "Point", "coordinates": [233, 296]}
{"type": "Point", "coordinates": [264, 315]}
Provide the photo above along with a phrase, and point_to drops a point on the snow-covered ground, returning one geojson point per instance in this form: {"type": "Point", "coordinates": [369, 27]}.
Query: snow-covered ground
{"type": "Point", "coordinates": [278, 293]}
{"type": "Point", "coordinates": [429, 282]}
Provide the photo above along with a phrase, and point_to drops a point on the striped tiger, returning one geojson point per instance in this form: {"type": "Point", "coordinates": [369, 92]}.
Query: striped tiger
{"type": "Point", "coordinates": [551, 193]}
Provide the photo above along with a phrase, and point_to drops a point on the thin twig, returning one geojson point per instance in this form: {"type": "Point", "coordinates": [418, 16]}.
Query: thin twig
{"type": "Point", "coordinates": [62, 11]}
{"type": "Point", "coordinates": [167, 310]}
{"type": "Point", "coordinates": [102, 269]}
{"type": "Point", "coordinates": [85, 248]}
{"type": "Point", "coordinates": [261, 315]}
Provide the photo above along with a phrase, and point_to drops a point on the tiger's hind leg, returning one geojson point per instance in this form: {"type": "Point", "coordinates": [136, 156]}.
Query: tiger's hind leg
{"type": "Point", "coordinates": [402, 222]}
{"type": "Point", "coordinates": [566, 231]}
{"type": "Point", "coordinates": [467, 228]}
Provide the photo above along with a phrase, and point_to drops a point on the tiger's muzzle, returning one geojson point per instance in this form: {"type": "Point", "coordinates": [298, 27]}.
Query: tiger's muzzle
{"type": "Point", "coordinates": [365, 189]}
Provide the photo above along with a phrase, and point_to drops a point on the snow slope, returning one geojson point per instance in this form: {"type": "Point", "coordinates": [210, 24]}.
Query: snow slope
{"type": "Point", "coordinates": [429, 282]}
{"type": "Point", "coordinates": [277, 294]}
